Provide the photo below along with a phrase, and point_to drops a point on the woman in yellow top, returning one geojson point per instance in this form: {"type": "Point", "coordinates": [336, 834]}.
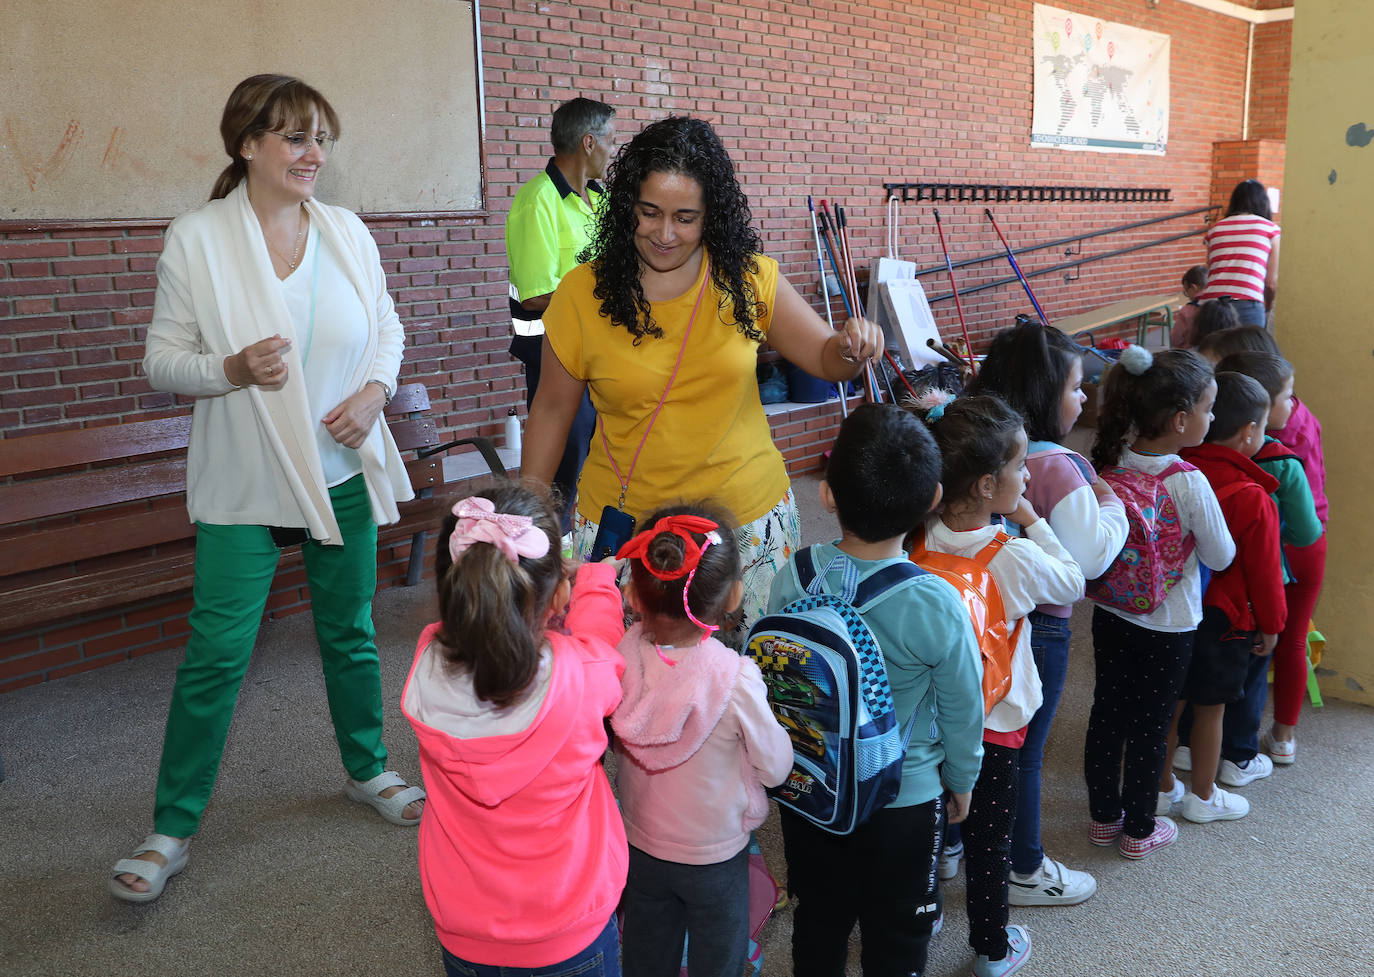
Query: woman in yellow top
{"type": "Point", "coordinates": [676, 297]}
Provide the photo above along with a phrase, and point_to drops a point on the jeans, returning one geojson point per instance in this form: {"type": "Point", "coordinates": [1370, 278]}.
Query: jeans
{"type": "Point", "coordinates": [1050, 646]}
{"type": "Point", "coordinates": [1240, 725]}
{"type": "Point", "coordinates": [601, 959]}
{"type": "Point", "coordinates": [529, 351]}
{"type": "Point", "coordinates": [1250, 312]}
{"type": "Point", "coordinates": [665, 902]}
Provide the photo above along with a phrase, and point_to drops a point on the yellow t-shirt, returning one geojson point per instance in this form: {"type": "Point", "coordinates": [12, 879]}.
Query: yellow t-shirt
{"type": "Point", "coordinates": [711, 440]}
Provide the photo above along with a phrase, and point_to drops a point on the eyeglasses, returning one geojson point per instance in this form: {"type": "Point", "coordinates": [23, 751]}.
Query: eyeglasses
{"type": "Point", "coordinates": [300, 142]}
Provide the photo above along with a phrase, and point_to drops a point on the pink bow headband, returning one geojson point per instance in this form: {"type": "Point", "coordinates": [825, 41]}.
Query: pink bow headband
{"type": "Point", "coordinates": [479, 522]}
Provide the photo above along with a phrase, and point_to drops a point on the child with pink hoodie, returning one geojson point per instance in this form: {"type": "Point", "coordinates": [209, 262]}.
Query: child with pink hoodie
{"type": "Point", "coordinates": [522, 849]}
{"type": "Point", "coordinates": [696, 743]}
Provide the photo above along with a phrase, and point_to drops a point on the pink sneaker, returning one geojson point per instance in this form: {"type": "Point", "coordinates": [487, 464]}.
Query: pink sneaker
{"type": "Point", "coordinates": [1104, 833]}
{"type": "Point", "coordinates": [1162, 836]}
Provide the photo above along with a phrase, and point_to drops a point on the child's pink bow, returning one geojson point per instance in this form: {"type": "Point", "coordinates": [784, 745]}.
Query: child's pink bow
{"type": "Point", "coordinates": [479, 522]}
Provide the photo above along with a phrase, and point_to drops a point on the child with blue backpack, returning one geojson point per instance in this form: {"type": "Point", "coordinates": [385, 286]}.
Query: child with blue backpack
{"type": "Point", "coordinates": [983, 446]}
{"type": "Point", "coordinates": [1038, 371]}
{"type": "Point", "coordinates": [1149, 602]}
{"type": "Point", "coordinates": [882, 478]}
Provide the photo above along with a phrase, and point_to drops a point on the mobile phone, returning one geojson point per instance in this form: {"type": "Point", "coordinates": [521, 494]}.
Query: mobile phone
{"type": "Point", "coordinates": [284, 536]}
{"type": "Point", "coordinates": [612, 532]}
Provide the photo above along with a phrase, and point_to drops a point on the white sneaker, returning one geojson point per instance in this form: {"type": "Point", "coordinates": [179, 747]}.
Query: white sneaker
{"type": "Point", "coordinates": [1183, 758]}
{"type": "Point", "coordinates": [1221, 806]}
{"type": "Point", "coordinates": [1052, 884]}
{"type": "Point", "coordinates": [1169, 800]}
{"type": "Point", "coordinates": [1257, 767]}
{"type": "Point", "coordinates": [949, 861]}
{"type": "Point", "coordinates": [1280, 751]}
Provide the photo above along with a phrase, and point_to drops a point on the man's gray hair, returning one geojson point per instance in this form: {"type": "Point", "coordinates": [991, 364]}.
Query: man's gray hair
{"type": "Point", "coordinates": [574, 119]}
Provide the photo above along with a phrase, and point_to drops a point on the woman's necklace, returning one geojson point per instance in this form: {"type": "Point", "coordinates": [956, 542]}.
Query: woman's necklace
{"type": "Point", "coordinates": [295, 258]}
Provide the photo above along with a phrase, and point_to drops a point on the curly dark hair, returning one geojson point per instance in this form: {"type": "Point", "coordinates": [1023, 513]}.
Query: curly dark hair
{"type": "Point", "coordinates": [691, 147]}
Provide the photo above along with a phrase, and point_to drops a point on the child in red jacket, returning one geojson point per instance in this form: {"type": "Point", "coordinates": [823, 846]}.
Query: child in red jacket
{"type": "Point", "coordinates": [1243, 607]}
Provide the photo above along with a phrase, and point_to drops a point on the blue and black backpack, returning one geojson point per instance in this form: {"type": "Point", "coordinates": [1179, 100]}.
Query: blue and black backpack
{"type": "Point", "coordinates": [827, 686]}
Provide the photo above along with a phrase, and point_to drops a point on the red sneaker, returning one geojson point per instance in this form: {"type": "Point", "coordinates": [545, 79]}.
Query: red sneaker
{"type": "Point", "coordinates": [1162, 836]}
{"type": "Point", "coordinates": [1104, 833]}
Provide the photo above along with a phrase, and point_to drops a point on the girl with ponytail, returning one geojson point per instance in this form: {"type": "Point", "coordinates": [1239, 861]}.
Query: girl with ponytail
{"type": "Point", "coordinates": [522, 851]}
{"type": "Point", "coordinates": [1038, 371]}
{"type": "Point", "coordinates": [1153, 406]}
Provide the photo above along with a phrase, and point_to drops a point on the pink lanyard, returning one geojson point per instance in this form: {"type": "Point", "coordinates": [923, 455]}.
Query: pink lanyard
{"type": "Point", "coordinates": [624, 480]}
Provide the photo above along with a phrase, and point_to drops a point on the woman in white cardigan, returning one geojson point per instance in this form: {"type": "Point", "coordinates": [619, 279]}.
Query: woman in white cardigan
{"type": "Point", "coordinates": [272, 312]}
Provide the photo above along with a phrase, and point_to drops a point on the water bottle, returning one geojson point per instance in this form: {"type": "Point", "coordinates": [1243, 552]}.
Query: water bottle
{"type": "Point", "coordinates": [512, 430]}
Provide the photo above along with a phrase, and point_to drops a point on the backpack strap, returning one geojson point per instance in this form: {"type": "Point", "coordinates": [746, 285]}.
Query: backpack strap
{"type": "Point", "coordinates": [860, 593]}
{"type": "Point", "coordinates": [1175, 468]}
{"type": "Point", "coordinates": [994, 595]}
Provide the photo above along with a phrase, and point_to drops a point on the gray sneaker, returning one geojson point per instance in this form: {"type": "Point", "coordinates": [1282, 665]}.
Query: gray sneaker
{"type": "Point", "coordinates": [949, 861]}
{"type": "Point", "coordinates": [1257, 767]}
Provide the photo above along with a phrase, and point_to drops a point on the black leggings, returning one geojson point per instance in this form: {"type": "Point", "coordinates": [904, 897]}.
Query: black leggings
{"type": "Point", "coordinates": [987, 850]}
{"type": "Point", "coordinates": [1139, 674]}
{"type": "Point", "coordinates": [882, 876]}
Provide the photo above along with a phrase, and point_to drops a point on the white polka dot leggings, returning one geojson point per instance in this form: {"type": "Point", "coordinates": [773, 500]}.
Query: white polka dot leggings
{"type": "Point", "coordinates": [987, 850]}
{"type": "Point", "coordinates": [1139, 674]}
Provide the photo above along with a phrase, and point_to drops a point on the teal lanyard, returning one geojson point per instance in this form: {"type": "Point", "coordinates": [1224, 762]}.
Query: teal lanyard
{"type": "Point", "coordinates": [314, 289]}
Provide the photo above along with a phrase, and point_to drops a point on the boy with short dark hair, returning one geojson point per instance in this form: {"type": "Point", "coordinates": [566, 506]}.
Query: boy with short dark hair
{"type": "Point", "coordinates": [1243, 608]}
{"type": "Point", "coordinates": [882, 479]}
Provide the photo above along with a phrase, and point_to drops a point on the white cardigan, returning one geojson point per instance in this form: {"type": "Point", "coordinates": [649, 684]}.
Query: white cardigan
{"type": "Point", "coordinates": [253, 457]}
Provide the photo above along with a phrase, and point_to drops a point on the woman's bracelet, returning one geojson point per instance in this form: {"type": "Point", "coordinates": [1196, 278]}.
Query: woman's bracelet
{"type": "Point", "coordinates": [386, 391]}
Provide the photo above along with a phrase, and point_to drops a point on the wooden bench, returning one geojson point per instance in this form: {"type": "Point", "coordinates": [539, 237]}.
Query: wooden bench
{"type": "Point", "coordinates": [96, 518]}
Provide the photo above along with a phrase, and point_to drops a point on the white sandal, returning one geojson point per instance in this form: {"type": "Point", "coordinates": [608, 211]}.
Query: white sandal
{"type": "Point", "coordinates": [176, 851]}
{"type": "Point", "coordinates": [392, 808]}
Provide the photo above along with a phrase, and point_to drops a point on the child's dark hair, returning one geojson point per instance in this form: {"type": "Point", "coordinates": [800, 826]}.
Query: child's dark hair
{"type": "Point", "coordinates": [1142, 393]}
{"type": "Point", "coordinates": [1242, 339]}
{"type": "Point", "coordinates": [491, 608]}
{"type": "Point", "coordinates": [976, 437]}
{"type": "Point", "coordinates": [718, 569]}
{"type": "Point", "coordinates": [1240, 401]}
{"type": "Point", "coordinates": [1271, 370]}
{"type": "Point", "coordinates": [1195, 276]}
{"type": "Point", "coordinates": [883, 473]}
{"type": "Point", "coordinates": [1028, 366]}
{"type": "Point", "coordinates": [1216, 315]}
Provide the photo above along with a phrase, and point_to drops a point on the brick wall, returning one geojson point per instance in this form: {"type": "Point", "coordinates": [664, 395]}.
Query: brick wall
{"type": "Point", "coordinates": [830, 98]}
{"type": "Point", "coordinates": [1269, 67]}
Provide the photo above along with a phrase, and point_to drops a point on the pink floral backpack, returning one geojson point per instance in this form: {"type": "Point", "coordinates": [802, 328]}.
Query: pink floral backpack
{"type": "Point", "coordinates": [1156, 547]}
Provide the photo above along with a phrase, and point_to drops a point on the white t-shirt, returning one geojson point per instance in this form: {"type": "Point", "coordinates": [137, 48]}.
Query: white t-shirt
{"type": "Point", "coordinates": [330, 348]}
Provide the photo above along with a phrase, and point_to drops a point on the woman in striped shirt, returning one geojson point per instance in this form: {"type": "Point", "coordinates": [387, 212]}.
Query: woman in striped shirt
{"type": "Point", "coordinates": [1243, 254]}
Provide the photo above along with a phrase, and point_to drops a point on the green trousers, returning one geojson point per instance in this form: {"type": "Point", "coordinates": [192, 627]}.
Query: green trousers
{"type": "Point", "coordinates": [234, 570]}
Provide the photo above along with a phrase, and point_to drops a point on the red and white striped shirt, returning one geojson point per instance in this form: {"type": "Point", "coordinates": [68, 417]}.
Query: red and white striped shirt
{"type": "Point", "coordinates": [1238, 256]}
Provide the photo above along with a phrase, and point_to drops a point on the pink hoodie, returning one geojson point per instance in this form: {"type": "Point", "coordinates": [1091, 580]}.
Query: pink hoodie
{"type": "Point", "coordinates": [1303, 434]}
{"type": "Point", "coordinates": [522, 849]}
{"type": "Point", "coordinates": [697, 744]}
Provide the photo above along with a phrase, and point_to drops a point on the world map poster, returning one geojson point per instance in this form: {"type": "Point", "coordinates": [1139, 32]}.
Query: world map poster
{"type": "Point", "coordinates": [1099, 86]}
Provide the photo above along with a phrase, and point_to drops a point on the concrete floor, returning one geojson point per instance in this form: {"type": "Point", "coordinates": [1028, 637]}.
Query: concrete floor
{"type": "Point", "coordinates": [288, 877]}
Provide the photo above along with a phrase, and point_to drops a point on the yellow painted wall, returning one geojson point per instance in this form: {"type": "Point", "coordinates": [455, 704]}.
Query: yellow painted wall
{"type": "Point", "coordinates": [1325, 310]}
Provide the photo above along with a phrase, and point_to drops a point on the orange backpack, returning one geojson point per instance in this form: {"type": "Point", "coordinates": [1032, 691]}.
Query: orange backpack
{"type": "Point", "coordinates": [973, 580]}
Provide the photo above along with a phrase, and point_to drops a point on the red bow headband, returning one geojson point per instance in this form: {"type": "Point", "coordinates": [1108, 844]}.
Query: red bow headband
{"type": "Point", "coordinates": [680, 526]}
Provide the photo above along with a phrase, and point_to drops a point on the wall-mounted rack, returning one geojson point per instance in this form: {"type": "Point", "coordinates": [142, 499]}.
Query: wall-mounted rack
{"type": "Point", "coordinates": [1026, 193]}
